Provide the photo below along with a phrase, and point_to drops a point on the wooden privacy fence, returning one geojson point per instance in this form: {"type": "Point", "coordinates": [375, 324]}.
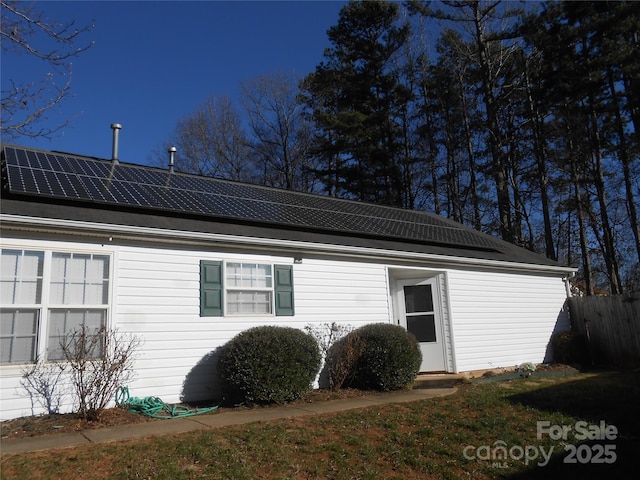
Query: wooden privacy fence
{"type": "Point", "coordinates": [611, 326]}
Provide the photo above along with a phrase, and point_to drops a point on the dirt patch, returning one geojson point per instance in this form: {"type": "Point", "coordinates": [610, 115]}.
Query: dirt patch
{"type": "Point", "coordinates": [541, 371]}
{"type": "Point", "coordinates": [112, 417]}
{"type": "Point", "coordinates": [66, 423]}
{"type": "Point", "coordinates": [543, 367]}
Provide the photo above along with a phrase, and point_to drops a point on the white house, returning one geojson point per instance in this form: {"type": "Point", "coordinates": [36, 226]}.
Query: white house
{"type": "Point", "coordinates": [186, 262]}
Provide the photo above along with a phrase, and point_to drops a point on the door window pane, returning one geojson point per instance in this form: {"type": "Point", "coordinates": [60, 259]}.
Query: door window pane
{"type": "Point", "coordinates": [418, 298]}
{"type": "Point", "coordinates": [423, 327]}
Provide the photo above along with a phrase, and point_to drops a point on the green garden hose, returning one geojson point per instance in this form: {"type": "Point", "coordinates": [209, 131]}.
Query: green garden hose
{"type": "Point", "coordinates": [154, 407]}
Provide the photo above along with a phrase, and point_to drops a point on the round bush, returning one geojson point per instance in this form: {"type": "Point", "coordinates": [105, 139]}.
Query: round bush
{"type": "Point", "coordinates": [569, 348]}
{"type": "Point", "coordinates": [269, 364]}
{"type": "Point", "coordinates": [389, 359]}
{"type": "Point", "coordinates": [561, 344]}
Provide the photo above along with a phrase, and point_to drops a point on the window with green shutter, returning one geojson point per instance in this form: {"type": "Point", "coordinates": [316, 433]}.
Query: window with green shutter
{"type": "Point", "coordinates": [284, 290]}
{"type": "Point", "coordinates": [242, 288]}
{"type": "Point", "coordinates": [211, 304]}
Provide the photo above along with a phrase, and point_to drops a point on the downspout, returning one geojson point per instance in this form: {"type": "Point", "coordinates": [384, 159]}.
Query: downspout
{"type": "Point", "coordinates": [567, 283]}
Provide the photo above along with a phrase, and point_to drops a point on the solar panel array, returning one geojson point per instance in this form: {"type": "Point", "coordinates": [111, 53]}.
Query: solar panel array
{"type": "Point", "coordinates": [69, 177]}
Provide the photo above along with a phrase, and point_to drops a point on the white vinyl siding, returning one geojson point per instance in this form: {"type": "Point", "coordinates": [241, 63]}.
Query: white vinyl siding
{"type": "Point", "coordinates": [492, 319]}
{"type": "Point", "coordinates": [353, 293]}
{"type": "Point", "coordinates": [502, 320]}
{"type": "Point", "coordinates": [158, 298]}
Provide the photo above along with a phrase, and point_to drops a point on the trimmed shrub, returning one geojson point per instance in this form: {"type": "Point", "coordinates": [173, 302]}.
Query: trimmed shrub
{"type": "Point", "coordinates": [269, 364]}
{"type": "Point", "coordinates": [389, 357]}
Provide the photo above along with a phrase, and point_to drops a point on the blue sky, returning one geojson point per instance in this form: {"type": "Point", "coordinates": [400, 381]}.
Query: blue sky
{"type": "Point", "coordinates": [154, 62]}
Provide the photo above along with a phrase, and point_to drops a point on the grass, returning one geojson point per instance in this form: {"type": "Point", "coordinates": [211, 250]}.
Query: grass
{"type": "Point", "coordinates": [417, 440]}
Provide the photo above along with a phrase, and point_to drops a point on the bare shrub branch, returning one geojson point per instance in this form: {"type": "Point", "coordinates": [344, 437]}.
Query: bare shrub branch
{"type": "Point", "coordinates": [340, 351]}
{"type": "Point", "coordinates": [100, 362]}
{"type": "Point", "coordinates": [42, 383]}
{"type": "Point", "coordinates": [327, 334]}
{"type": "Point", "coordinates": [342, 358]}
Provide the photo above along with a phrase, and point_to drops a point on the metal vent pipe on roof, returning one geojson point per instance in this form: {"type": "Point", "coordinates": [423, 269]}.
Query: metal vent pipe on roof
{"type": "Point", "coordinates": [172, 151]}
{"type": "Point", "coordinates": [114, 152]}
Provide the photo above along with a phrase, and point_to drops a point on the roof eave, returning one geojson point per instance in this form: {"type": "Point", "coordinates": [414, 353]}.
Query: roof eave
{"type": "Point", "coordinates": [112, 232]}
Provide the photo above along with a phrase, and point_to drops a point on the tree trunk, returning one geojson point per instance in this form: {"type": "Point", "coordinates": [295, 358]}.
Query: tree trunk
{"type": "Point", "coordinates": [543, 176]}
{"type": "Point", "coordinates": [584, 247]}
{"type": "Point", "coordinates": [473, 183]}
{"type": "Point", "coordinates": [494, 137]}
{"type": "Point", "coordinates": [623, 154]}
{"type": "Point", "coordinates": [609, 252]}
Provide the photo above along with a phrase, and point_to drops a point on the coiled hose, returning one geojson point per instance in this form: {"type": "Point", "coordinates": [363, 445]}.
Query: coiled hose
{"type": "Point", "coordinates": [154, 407]}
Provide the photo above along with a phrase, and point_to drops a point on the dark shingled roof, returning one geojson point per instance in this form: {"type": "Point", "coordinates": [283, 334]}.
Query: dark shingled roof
{"type": "Point", "coordinates": [60, 185]}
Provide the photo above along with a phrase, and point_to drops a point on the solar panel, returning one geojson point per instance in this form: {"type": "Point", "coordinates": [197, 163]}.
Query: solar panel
{"type": "Point", "coordinates": [73, 177]}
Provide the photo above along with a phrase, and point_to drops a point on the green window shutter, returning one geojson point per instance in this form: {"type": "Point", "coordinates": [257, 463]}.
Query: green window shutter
{"type": "Point", "coordinates": [210, 289]}
{"type": "Point", "coordinates": [284, 290]}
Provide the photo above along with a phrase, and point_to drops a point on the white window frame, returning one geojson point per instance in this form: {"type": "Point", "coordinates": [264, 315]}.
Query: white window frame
{"type": "Point", "coordinates": [45, 307]}
{"type": "Point", "coordinates": [228, 288]}
{"type": "Point", "coordinates": [33, 306]}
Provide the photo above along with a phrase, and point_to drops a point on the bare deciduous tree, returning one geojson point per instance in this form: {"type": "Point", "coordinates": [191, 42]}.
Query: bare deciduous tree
{"type": "Point", "coordinates": [212, 142]}
{"type": "Point", "coordinates": [25, 31]}
{"type": "Point", "coordinates": [281, 135]}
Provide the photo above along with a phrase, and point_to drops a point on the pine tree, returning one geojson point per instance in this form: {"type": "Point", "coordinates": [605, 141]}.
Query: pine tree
{"type": "Point", "coordinates": [357, 102]}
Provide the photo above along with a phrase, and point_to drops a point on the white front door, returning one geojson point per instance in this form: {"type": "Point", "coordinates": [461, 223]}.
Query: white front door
{"type": "Point", "coordinates": [421, 314]}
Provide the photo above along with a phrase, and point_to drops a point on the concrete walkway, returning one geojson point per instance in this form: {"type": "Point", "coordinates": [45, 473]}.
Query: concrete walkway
{"type": "Point", "coordinates": [218, 419]}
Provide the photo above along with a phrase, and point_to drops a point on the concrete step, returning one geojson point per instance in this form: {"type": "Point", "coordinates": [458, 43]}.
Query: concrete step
{"type": "Point", "coordinates": [438, 380]}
